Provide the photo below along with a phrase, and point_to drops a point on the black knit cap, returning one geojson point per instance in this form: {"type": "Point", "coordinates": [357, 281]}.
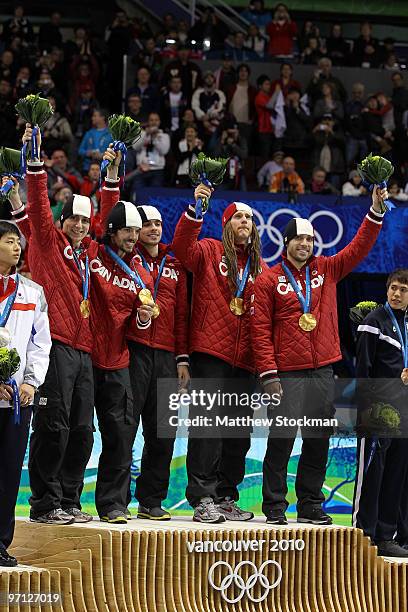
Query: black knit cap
{"type": "Point", "coordinates": [123, 214]}
{"type": "Point", "coordinates": [297, 227]}
{"type": "Point", "coordinates": [76, 205]}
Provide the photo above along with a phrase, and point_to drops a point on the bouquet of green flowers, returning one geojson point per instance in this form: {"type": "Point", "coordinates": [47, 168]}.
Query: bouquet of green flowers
{"type": "Point", "coordinates": [385, 416]}
{"type": "Point", "coordinates": [36, 111]}
{"type": "Point", "coordinates": [125, 131]}
{"type": "Point", "coordinates": [209, 172]}
{"type": "Point", "coordinates": [9, 364]}
{"type": "Point", "coordinates": [9, 166]}
{"type": "Point", "coordinates": [376, 170]}
{"type": "Point", "coordinates": [361, 310]}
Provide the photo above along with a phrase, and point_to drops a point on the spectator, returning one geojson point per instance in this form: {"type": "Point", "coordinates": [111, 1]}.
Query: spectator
{"type": "Point", "coordinates": [7, 66]}
{"type": "Point", "coordinates": [319, 184]}
{"type": "Point", "coordinates": [96, 140]}
{"type": "Point", "coordinates": [150, 57]}
{"type": "Point", "coordinates": [226, 75]}
{"type": "Point", "coordinates": [255, 42]}
{"type": "Point", "coordinates": [60, 195]}
{"type": "Point", "coordinates": [297, 137]}
{"type": "Point", "coordinates": [173, 103]}
{"type": "Point", "coordinates": [57, 132]}
{"type": "Point", "coordinates": [256, 14]}
{"type": "Point", "coordinates": [182, 31]}
{"type": "Point", "coordinates": [328, 103]}
{"type": "Point", "coordinates": [399, 97]}
{"type": "Point", "coordinates": [81, 45]}
{"type": "Point", "coordinates": [60, 171]}
{"type": "Point", "coordinates": [378, 139]}
{"type": "Point", "coordinates": [189, 72]}
{"type": "Point", "coordinates": [329, 148]}
{"type": "Point", "coordinates": [263, 107]}
{"type": "Point", "coordinates": [312, 52]}
{"type": "Point", "coordinates": [84, 75]}
{"type": "Point", "coordinates": [240, 52]}
{"type": "Point", "coordinates": [287, 180]}
{"type": "Point", "coordinates": [338, 49]}
{"type": "Point", "coordinates": [395, 191]}
{"type": "Point", "coordinates": [386, 111]}
{"type": "Point", "coordinates": [322, 75]}
{"type": "Point", "coordinates": [308, 29]}
{"type": "Point", "coordinates": [281, 31]}
{"type": "Point", "coordinates": [50, 34]}
{"type": "Point", "coordinates": [387, 48]}
{"type": "Point", "coordinates": [265, 174]}
{"type": "Point", "coordinates": [90, 185]}
{"type": "Point", "coordinates": [286, 80]}
{"type": "Point", "coordinates": [209, 104]}
{"type": "Point", "coordinates": [187, 120]}
{"type": "Point", "coordinates": [390, 63]}
{"type": "Point", "coordinates": [45, 84]}
{"type": "Point", "coordinates": [8, 118]}
{"type": "Point", "coordinates": [187, 151]}
{"type": "Point", "coordinates": [230, 145]}
{"type": "Point", "coordinates": [353, 187]}
{"type": "Point", "coordinates": [151, 150]}
{"type": "Point", "coordinates": [23, 84]}
{"type": "Point", "coordinates": [82, 113]}
{"type": "Point", "coordinates": [134, 109]}
{"type": "Point", "coordinates": [18, 26]}
{"type": "Point", "coordinates": [148, 92]}
{"type": "Point", "coordinates": [209, 27]}
{"type": "Point", "coordinates": [365, 48]}
{"type": "Point", "coordinates": [241, 102]}
{"type": "Point", "coordinates": [169, 23]}
{"type": "Point", "coordinates": [356, 143]}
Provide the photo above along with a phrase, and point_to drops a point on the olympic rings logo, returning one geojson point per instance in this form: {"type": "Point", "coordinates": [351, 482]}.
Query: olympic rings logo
{"type": "Point", "coordinates": [275, 236]}
{"type": "Point", "coordinates": [245, 587]}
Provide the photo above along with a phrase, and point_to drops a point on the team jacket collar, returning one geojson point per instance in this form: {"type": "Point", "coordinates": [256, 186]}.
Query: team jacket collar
{"type": "Point", "coordinates": [11, 284]}
{"type": "Point", "coordinates": [164, 249]}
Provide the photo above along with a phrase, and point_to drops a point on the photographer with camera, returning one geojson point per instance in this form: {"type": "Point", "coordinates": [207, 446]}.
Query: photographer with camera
{"type": "Point", "coordinates": [287, 180]}
{"type": "Point", "coordinates": [151, 150]}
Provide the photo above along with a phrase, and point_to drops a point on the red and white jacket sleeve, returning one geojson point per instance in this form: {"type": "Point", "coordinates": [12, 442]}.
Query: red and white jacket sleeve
{"type": "Point", "coordinates": [191, 252]}
{"type": "Point", "coordinates": [262, 328]}
{"type": "Point", "coordinates": [42, 226]}
{"type": "Point", "coordinates": [109, 197]}
{"type": "Point", "coordinates": [341, 264]}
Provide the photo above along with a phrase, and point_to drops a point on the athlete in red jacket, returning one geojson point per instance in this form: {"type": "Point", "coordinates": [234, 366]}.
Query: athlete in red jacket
{"type": "Point", "coordinates": [295, 340]}
{"type": "Point", "coordinates": [156, 353]}
{"type": "Point", "coordinates": [219, 347]}
{"type": "Point", "coordinates": [61, 443]}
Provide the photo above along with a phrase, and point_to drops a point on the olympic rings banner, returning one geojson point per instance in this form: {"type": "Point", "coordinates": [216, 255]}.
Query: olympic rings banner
{"type": "Point", "coordinates": [336, 221]}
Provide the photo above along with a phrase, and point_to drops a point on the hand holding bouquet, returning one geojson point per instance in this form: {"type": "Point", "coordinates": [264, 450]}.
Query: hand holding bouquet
{"type": "Point", "coordinates": [9, 166]}
{"type": "Point", "coordinates": [9, 365]}
{"type": "Point", "coordinates": [209, 172]}
{"type": "Point", "coordinates": [376, 170]}
{"type": "Point", "coordinates": [359, 312]}
{"type": "Point", "coordinates": [36, 111]}
{"type": "Point", "coordinates": [125, 131]}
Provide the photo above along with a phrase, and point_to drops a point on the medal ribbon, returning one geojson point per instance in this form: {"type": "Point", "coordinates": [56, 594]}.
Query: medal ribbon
{"type": "Point", "coordinates": [242, 283]}
{"type": "Point", "coordinates": [403, 340]}
{"type": "Point", "coordinates": [134, 275]}
{"type": "Point", "coordinates": [83, 273]}
{"type": "Point", "coordinates": [3, 320]}
{"type": "Point", "coordinates": [146, 267]}
{"type": "Point", "coordinates": [304, 301]}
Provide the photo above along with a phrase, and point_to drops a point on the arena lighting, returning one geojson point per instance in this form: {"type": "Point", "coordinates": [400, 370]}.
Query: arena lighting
{"type": "Point", "coordinates": [170, 41]}
{"type": "Point", "coordinates": [193, 42]}
{"type": "Point", "coordinates": [207, 43]}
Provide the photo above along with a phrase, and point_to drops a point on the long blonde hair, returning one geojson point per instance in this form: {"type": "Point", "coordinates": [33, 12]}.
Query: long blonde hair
{"type": "Point", "coordinates": [254, 251]}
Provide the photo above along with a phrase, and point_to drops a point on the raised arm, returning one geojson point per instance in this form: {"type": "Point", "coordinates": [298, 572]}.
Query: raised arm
{"type": "Point", "coordinates": [187, 248]}
{"type": "Point", "coordinates": [341, 264]}
{"type": "Point", "coordinates": [110, 191]}
{"type": "Point", "coordinates": [42, 225]}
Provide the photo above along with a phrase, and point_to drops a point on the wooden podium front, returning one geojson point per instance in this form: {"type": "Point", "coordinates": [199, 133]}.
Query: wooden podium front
{"type": "Point", "coordinates": [172, 567]}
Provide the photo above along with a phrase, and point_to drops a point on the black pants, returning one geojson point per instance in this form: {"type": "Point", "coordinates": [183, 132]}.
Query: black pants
{"type": "Point", "coordinates": [216, 465]}
{"type": "Point", "coordinates": [379, 493]}
{"type": "Point", "coordinates": [146, 366]}
{"type": "Point", "coordinates": [62, 440]}
{"type": "Point", "coordinates": [114, 409]}
{"type": "Point", "coordinates": [13, 444]}
{"type": "Point", "coordinates": [309, 393]}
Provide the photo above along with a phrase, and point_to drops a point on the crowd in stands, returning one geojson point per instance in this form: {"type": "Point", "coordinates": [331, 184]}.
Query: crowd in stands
{"type": "Point", "coordinates": [278, 135]}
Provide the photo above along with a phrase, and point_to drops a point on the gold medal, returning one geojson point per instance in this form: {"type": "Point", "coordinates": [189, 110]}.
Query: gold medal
{"type": "Point", "coordinates": [156, 311]}
{"type": "Point", "coordinates": [85, 309]}
{"type": "Point", "coordinates": [307, 322]}
{"type": "Point", "coordinates": [145, 296]}
{"type": "Point", "coordinates": [237, 306]}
